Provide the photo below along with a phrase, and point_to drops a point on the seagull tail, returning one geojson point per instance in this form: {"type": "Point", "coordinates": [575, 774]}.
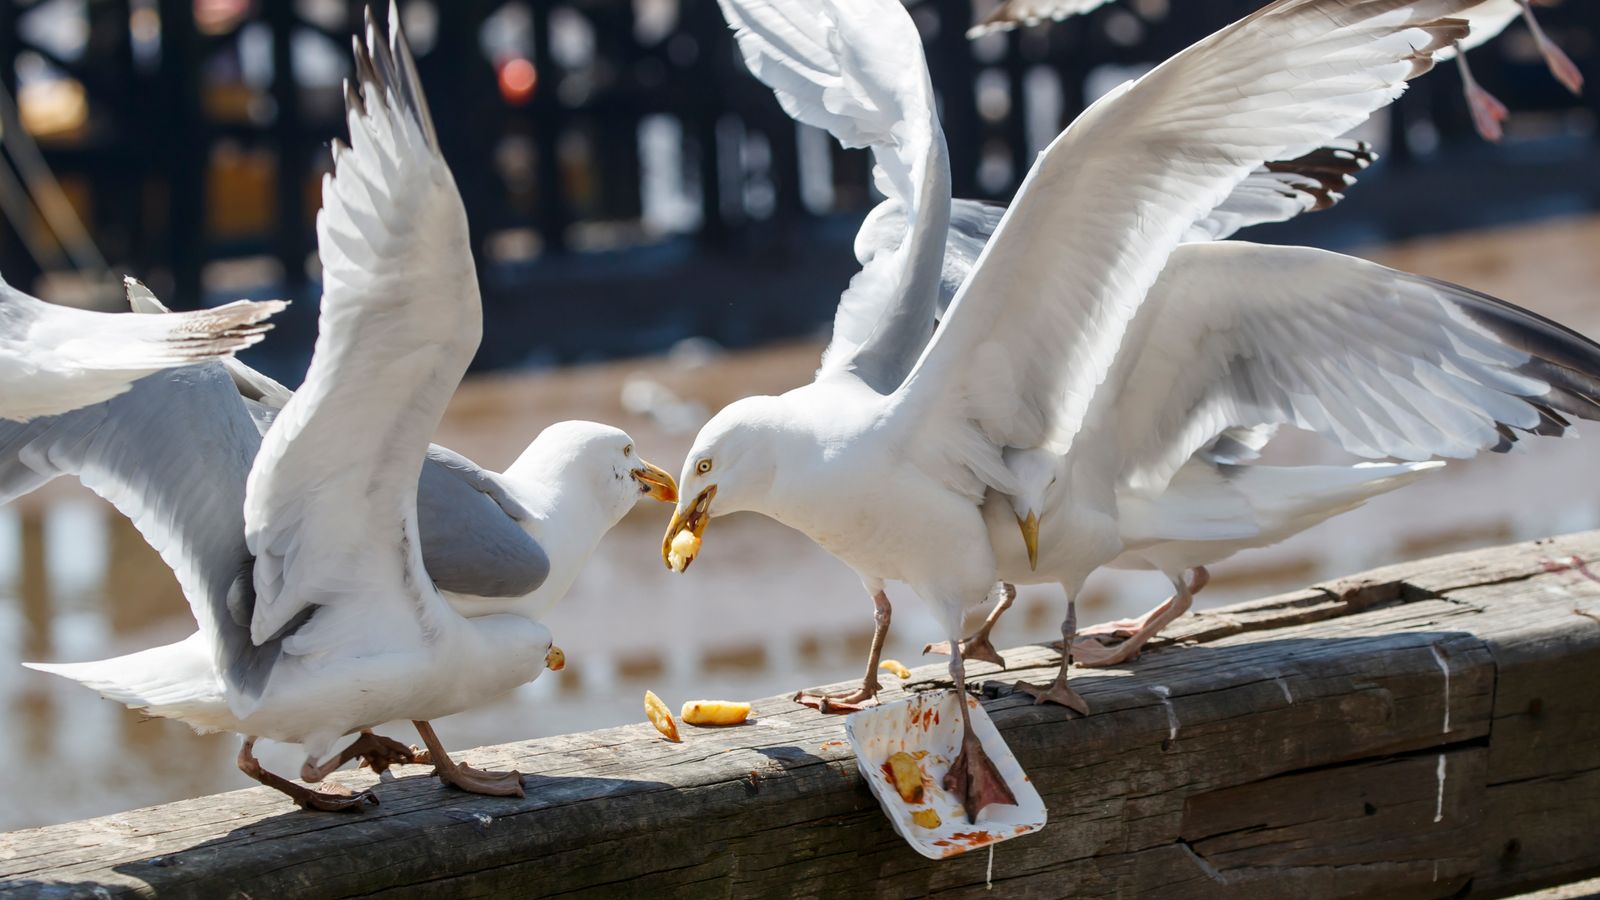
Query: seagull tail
{"type": "Point", "coordinates": [176, 681]}
{"type": "Point", "coordinates": [1294, 498]}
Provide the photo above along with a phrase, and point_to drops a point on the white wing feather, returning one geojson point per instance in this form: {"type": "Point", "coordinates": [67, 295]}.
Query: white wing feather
{"type": "Point", "coordinates": [331, 503]}
{"type": "Point", "coordinates": [1384, 363]}
{"type": "Point", "coordinates": [1035, 328]}
{"type": "Point", "coordinates": [54, 359]}
{"type": "Point", "coordinates": [856, 69]}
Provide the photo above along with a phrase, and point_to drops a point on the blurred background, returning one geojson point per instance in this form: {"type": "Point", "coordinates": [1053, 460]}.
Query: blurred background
{"type": "Point", "coordinates": [655, 238]}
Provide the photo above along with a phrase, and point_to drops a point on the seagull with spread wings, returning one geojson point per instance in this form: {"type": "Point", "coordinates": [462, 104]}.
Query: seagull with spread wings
{"type": "Point", "coordinates": [887, 470]}
{"type": "Point", "coordinates": [54, 359]}
{"type": "Point", "coordinates": [1487, 20]}
{"type": "Point", "coordinates": [330, 598]}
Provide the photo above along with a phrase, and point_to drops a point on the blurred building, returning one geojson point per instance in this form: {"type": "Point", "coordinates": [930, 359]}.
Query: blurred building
{"type": "Point", "coordinates": [629, 185]}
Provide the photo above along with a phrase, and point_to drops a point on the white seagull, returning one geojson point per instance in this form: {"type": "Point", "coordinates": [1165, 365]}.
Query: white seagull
{"type": "Point", "coordinates": [1233, 341]}
{"type": "Point", "coordinates": [54, 359]}
{"type": "Point", "coordinates": [889, 473]}
{"type": "Point", "coordinates": [1487, 20]}
{"type": "Point", "coordinates": [301, 551]}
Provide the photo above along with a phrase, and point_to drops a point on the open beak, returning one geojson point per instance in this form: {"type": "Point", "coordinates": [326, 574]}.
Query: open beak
{"type": "Point", "coordinates": [1030, 536]}
{"type": "Point", "coordinates": [655, 481]}
{"type": "Point", "coordinates": [555, 660]}
{"type": "Point", "coordinates": [682, 543]}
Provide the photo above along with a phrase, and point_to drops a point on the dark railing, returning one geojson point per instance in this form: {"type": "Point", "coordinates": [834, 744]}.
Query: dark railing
{"type": "Point", "coordinates": [634, 172]}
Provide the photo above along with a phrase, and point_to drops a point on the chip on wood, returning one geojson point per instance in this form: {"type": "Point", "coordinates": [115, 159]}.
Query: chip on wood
{"type": "Point", "coordinates": [660, 716]}
{"type": "Point", "coordinates": [714, 712]}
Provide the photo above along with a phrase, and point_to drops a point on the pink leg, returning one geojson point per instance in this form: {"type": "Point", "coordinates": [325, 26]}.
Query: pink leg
{"type": "Point", "coordinates": [1561, 65]}
{"type": "Point", "coordinates": [1487, 112]}
{"type": "Point", "coordinates": [851, 701]}
{"type": "Point", "coordinates": [972, 776]}
{"type": "Point", "coordinates": [979, 646]}
{"type": "Point", "coordinates": [1093, 654]}
{"type": "Point", "coordinates": [1058, 692]}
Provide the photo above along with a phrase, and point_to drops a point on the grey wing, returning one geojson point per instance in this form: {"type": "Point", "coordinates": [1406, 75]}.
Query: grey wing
{"type": "Point", "coordinates": [471, 542]}
{"type": "Point", "coordinates": [171, 454]}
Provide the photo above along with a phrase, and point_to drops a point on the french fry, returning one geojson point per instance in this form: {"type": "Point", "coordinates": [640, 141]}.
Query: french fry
{"type": "Point", "coordinates": [926, 818]}
{"type": "Point", "coordinates": [896, 668]}
{"type": "Point", "coordinates": [555, 660]}
{"type": "Point", "coordinates": [660, 716]}
{"type": "Point", "coordinates": [906, 775]}
{"type": "Point", "coordinates": [714, 712]}
{"type": "Point", "coordinates": [684, 546]}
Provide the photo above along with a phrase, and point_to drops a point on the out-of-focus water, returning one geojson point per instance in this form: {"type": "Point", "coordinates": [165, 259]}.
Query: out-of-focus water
{"type": "Point", "coordinates": [763, 611]}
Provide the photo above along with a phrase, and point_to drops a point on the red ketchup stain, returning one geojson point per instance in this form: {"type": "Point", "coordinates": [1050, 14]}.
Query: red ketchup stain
{"type": "Point", "coordinates": [1571, 564]}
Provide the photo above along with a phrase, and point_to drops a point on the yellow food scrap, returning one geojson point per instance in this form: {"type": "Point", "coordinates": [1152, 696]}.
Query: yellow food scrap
{"type": "Point", "coordinates": [896, 668]}
{"type": "Point", "coordinates": [684, 546]}
{"type": "Point", "coordinates": [660, 716]}
{"type": "Point", "coordinates": [926, 818]}
{"type": "Point", "coordinates": [555, 660]}
{"type": "Point", "coordinates": [906, 774]}
{"type": "Point", "coordinates": [714, 712]}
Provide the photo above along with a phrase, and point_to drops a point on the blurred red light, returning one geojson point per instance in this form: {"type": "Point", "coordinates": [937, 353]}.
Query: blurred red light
{"type": "Point", "coordinates": [518, 78]}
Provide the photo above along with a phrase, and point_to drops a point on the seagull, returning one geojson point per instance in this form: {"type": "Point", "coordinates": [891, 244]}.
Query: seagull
{"type": "Point", "coordinates": [301, 550]}
{"type": "Point", "coordinates": [1486, 20]}
{"type": "Point", "coordinates": [888, 470]}
{"type": "Point", "coordinates": [54, 359]}
{"type": "Point", "coordinates": [1243, 338]}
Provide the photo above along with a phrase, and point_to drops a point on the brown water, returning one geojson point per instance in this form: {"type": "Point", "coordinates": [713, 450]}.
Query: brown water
{"type": "Point", "coordinates": [763, 611]}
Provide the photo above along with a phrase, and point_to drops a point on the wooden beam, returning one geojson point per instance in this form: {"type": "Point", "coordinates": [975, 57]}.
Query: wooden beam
{"type": "Point", "coordinates": [1428, 730]}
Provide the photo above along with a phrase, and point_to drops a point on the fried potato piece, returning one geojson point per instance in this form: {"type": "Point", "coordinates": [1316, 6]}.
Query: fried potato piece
{"type": "Point", "coordinates": [906, 774]}
{"type": "Point", "coordinates": [926, 818]}
{"type": "Point", "coordinates": [660, 716]}
{"type": "Point", "coordinates": [714, 712]}
{"type": "Point", "coordinates": [555, 660]}
{"type": "Point", "coordinates": [896, 668]}
{"type": "Point", "coordinates": [684, 546]}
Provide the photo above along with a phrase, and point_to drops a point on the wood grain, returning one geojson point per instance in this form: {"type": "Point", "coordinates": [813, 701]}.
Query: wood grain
{"type": "Point", "coordinates": [1425, 730]}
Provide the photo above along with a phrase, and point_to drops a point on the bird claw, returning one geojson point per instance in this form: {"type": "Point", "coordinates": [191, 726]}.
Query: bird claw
{"type": "Point", "coordinates": [479, 781]}
{"type": "Point", "coordinates": [839, 702]}
{"type": "Point", "coordinates": [1487, 113]}
{"type": "Point", "coordinates": [1058, 693]}
{"type": "Point", "coordinates": [336, 798]}
{"type": "Point", "coordinates": [975, 780]}
{"type": "Point", "coordinates": [975, 647]}
{"type": "Point", "coordinates": [378, 753]}
{"type": "Point", "coordinates": [1092, 654]}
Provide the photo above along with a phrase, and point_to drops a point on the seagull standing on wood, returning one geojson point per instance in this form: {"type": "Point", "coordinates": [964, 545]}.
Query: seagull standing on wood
{"type": "Point", "coordinates": [301, 551]}
{"type": "Point", "coordinates": [54, 359]}
{"type": "Point", "coordinates": [889, 474]}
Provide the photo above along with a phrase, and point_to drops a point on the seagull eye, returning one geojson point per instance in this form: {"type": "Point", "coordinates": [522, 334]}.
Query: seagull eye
{"type": "Point", "coordinates": [627, 450]}
{"type": "Point", "coordinates": [703, 466]}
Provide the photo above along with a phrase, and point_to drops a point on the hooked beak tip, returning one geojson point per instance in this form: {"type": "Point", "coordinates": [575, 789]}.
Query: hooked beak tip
{"type": "Point", "coordinates": [1030, 537]}
{"type": "Point", "coordinates": [682, 541]}
{"type": "Point", "coordinates": [656, 483]}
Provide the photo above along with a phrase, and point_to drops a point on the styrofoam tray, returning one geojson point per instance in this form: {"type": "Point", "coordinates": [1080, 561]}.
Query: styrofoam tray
{"type": "Point", "coordinates": [928, 723]}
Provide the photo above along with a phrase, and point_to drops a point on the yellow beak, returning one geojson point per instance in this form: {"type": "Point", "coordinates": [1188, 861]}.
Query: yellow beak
{"type": "Point", "coordinates": [655, 481]}
{"type": "Point", "coordinates": [1030, 536]}
{"type": "Point", "coordinates": [555, 660]}
{"type": "Point", "coordinates": [682, 541]}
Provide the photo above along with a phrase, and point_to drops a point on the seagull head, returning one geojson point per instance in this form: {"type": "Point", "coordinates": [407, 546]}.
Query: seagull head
{"type": "Point", "coordinates": [733, 463]}
{"type": "Point", "coordinates": [596, 458]}
{"type": "Point", "coordinates": [1034, 471]}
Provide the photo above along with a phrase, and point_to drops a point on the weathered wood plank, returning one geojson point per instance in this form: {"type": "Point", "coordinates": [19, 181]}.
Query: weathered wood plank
{"type": "Point", "coordinates": [1422, 730]}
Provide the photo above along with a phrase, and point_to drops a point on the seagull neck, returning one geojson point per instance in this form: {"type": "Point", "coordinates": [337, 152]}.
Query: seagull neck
{"type": "Point", "coordinates": [567, 518]}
